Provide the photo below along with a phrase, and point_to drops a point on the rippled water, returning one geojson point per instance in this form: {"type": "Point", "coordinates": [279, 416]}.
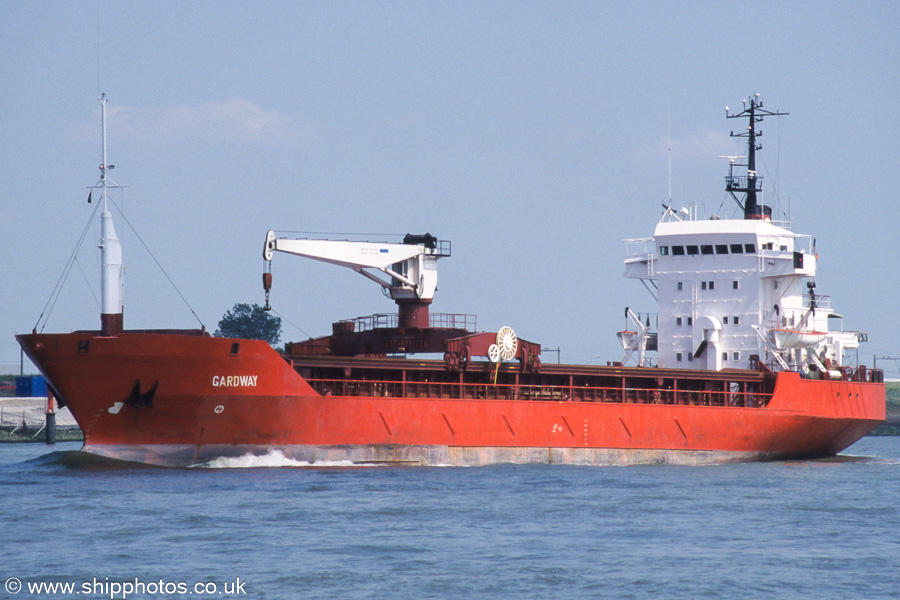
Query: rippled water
{"type": "Point", "coordinates": [271, 528]}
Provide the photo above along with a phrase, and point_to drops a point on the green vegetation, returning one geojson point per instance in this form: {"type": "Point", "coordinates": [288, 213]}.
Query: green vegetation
{"type": "Point", "coordinates": [891, 424]}
{"type": "Point", "coordinates": [893, 393]}
{"type": "Point", "coordinates": [892, 396]}
{"type": "Point", "coordinates": [248, 322]}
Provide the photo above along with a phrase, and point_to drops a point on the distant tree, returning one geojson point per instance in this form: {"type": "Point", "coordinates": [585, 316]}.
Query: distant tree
{"type": "Point", "coordinates": [250, 323]}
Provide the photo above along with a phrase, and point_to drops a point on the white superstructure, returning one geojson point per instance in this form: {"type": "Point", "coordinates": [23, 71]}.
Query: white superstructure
{"type": "Point", "coordinates": [732, 292]}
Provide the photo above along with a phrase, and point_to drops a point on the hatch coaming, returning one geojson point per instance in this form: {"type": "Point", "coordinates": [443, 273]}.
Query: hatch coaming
{"type": "Point", "coordinates": [414, 378]}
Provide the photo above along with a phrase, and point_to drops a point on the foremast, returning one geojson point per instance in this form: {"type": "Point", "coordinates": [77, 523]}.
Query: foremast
{"type": "Point", "coordinates": [112, 270]}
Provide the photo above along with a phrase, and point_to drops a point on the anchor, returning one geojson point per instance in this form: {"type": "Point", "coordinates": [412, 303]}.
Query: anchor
{"type": "Point", "coordinates": [139, 400]}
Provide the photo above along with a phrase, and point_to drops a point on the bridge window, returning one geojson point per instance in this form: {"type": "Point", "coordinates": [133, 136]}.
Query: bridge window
{"type": "Point", "coordinates": [678, 321]}
{"type": "Point", "coordinates": [663, 250]}
{"type": "Point", "coordinates": [721, 248]}
{"type": "Point", "coordinates": [749, 248]}
{"type": "Point", "coordinates": [677, 250]}
{"type": "Point", "coordinates": [678, 356]}
{"type": "Point", "coordinates": [734, 284]}
{"type": "Point", "coordinates": [693, 250]}
{"type": "Point", "coordinates": [680, 286]}
{"type": "Point", "coordinates": [706, 249]}
{"type": "Point", "coordinates": [737, 249]}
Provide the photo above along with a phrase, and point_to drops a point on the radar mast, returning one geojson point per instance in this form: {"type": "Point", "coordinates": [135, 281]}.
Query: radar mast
{"type": "Point", "coordinates": [751, 184]}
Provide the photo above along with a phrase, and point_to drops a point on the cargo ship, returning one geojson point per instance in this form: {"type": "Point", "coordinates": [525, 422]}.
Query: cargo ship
{"type": "Point", "coordinates": [740, 362]}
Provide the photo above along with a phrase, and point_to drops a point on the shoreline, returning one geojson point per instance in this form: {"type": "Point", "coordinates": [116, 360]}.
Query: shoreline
{"type": "Point", "coordinates": [36, 436]}
{"type": "Point", "coordinates": [889, 427]}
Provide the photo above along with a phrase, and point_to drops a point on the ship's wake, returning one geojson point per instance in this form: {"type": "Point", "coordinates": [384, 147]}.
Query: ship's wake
{"type": "Point", "coordinates": [272, 459]}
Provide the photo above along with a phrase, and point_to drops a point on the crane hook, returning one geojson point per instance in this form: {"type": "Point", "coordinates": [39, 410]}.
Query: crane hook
{"type": "Point", "coordinates": [267, 284]}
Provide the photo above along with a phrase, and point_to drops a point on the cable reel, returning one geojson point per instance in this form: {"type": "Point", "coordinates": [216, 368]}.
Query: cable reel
{"type": "Point", "coordinates": [506, 347]}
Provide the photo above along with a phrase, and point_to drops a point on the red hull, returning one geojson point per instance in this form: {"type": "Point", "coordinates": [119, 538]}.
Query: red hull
{"type": "Point", "coordinates": [178, 399]}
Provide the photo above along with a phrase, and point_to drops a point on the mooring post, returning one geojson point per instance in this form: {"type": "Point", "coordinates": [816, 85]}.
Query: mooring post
{"type": "Point", "coordinates": [51, 418]}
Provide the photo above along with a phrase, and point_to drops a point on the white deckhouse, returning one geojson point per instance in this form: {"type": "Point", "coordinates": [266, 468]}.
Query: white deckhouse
{"type": "Point", "coordinates": [733, 292]}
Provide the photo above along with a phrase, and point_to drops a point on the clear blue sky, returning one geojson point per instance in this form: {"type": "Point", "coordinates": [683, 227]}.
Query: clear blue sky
{"type": "Point", "coordinates": [530, 134]}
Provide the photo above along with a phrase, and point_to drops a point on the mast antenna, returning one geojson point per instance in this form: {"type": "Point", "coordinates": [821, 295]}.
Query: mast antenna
{"type": "Point", "coordinates": [669, 134]}
{"type": "Point", "coordinates": [751, 185]}
{"type": "Point", "coordinates": [112, 271]}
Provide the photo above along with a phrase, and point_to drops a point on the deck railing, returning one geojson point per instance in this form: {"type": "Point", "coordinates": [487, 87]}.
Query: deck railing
{"type": "Point", "coordinates": [545, 393]}
{"type": "Point", "coordinates": [389, 320]}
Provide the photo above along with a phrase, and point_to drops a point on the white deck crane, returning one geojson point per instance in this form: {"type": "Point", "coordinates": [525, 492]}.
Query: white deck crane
{"type": "Point", "coordinates": [410, 265]}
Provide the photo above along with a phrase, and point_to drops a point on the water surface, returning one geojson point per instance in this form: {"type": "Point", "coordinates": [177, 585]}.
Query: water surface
{"type": "Point", "coordinates": [812, 529]}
